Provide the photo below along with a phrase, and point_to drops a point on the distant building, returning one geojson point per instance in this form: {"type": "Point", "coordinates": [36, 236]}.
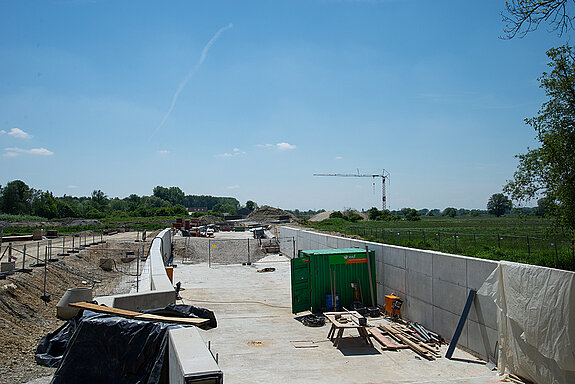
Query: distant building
{"type": "Point", "coordinates": [197, 209]}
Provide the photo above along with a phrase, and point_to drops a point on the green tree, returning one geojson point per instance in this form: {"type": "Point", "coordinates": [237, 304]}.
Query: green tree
{"type": "Point", "coordinates": [549, 171]}
{"type": "Point", "coordinates": [449, 211]}
{"type": "Point", "coordinates": [99, 200]}
{"type": "Point", "coordinates": [498, 204]}
{"type": "Point", "coordinates": [524, 16]}
{"type": "Point", "coordinates": [16, 198]}
{"type": "Point", "coordinates": [44, 205]}
{"type": "Point", "coordinates": [373, 213]}
{"type": "Point", "coordinates": [172, 194]}
{"type": "Point", "coordinates": [412, 215]}
{"type": "Point", "coordinates": [336, 215]}
{"type": "Point", "coordinates": [251, 205]}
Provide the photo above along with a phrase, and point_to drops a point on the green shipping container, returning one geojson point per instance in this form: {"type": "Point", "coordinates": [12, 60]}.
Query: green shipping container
{"type": "Point", "coordinates": [314, 273]}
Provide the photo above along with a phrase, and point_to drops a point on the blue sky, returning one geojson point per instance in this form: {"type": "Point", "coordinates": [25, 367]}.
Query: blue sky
{"type": "Point", "coordinates": [250, 98]}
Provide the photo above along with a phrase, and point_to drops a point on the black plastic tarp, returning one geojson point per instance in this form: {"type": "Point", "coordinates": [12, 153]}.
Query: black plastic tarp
{"type": "Point", "coordinates": [106, 349]}
{"type": "Point", "coordinates": [181, 310]}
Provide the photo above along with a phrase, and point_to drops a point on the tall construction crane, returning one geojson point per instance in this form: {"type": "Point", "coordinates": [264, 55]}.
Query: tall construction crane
{"type": "Point", "coordinates": [384, 177]}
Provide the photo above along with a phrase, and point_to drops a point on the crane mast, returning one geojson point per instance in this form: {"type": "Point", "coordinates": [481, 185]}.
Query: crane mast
{"type": "Point", "coordinates": [384, 177]}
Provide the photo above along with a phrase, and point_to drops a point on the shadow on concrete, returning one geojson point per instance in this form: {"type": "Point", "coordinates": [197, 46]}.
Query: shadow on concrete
{"type": "Point", "coordinates": [478, 362]}
{"type": "Point", "coordinates": [356, 346]}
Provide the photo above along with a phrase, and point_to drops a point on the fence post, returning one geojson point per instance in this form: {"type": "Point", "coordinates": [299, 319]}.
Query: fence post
{"type": "Point", "coordinates": [293, 246]}
{"type": "Point", "coordinates": [556, 256]}
{"type": "Point", "coordinates": [529, 247]}
{"type": "Point", "coordinates": [383, 232]}
{"type": "Point", "coordinates": [399, 233]}
{"type": "Point", "coordinates": [248, 251]}
{"type": "Point", "coordinates": [409, 235]}
{"type": "Point", "coordinates": [423, 233]}
{"type": "Point", "coordinates": [498, 241]}
{"type": "Point", "coordinates": [9, 252]}
{"type": "Point", "coordinates": [439, 240]}
{"type": "Point", "coordinates": [455, 239]}
{"type": "Point", "coordinates": [474, 242]}
{"type": "Point", "coordinates": [24, 258]}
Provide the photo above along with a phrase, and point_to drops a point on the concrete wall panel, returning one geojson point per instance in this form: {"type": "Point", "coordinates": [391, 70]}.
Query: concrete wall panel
{"type": "Point", "coordinates": [419, 311]}
{"type": "Point", "coordinates": [394, 277]}
{"type": "Point", "coordinates": [448, 296]}
{"type": "Point", "coordinates": [445, 323]}
{"type": "Point", "coordinates": [478, 270]}
{"type": "Point", "coordinates": [395, 256]}
{"type": "Point", "coordinates": [481, 339]}
{"type": "Point", "coordinates": [420, 261]}
{"type": "Point", "coordinates": [450, 268]}
{"type": "Point", "coordinates": [419, 286]}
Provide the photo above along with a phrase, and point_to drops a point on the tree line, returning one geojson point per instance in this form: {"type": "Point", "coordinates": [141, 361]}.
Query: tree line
{"type": "Point", "coordinates": [17, 198]}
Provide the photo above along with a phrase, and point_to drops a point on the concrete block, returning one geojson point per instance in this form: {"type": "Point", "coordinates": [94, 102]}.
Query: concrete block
{"type": "Point", "coordinates": [484, 311]}
{"type": "Point", "coordinates": [419, 286]}
{"type": "Point", "coordinates": [394, 277]}
{"type": "Point", "coordinates": [477, 271]}
{"type": "Point", "coordinates": [449, 297]}
{"type": "Point", "coordinates": [450, 268]}
{"type": "Point", "coordinates": [419, 261]}
{"type": "Point", "coordinates": [394, 256]}
{"type": "Point", "coordinates": [445, 323]}
{"type": "Point", "coordinates": [481, 339]}
{"type": "Point", "coordinates": [416, 310]}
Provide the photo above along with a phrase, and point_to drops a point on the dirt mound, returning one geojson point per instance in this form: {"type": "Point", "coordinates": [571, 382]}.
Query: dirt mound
{"type": "Point", "coordinates": [209, 219]}
{"type": "Point", "coordinates": [320, 216]}
{"type": "Point", "coordinates": [267, 213]}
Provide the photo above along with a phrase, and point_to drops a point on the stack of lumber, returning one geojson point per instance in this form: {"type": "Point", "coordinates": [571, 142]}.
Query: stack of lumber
{"type": "Point", "coordinates": [398, 336]}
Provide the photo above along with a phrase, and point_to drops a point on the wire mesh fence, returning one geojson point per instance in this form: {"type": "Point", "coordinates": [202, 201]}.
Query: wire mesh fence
{"type": "Point", "coordinates": [527, 249]}
{"type": "Point", "coordinates": [225, 251]}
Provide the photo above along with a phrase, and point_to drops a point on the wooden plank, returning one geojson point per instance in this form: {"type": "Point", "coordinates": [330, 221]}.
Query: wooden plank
{"type": "Point", "coordinates": [384, 341]}
{"type": "Point", "coordinates": [139, 316]}
{"type": "Point", "coordinates": [104, 309]}
{"type": "Point", "coordinates": [416, 348]}
{"type": "Point", "coordinates": [178, 320]}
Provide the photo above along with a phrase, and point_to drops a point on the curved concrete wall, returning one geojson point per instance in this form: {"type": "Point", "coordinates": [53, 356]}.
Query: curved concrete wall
{"type": "Point", "coordinates": [156, 289]}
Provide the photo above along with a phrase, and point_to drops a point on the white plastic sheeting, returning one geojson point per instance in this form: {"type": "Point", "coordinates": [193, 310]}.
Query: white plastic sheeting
{"type": "Point", "coordinates": [536, 321]}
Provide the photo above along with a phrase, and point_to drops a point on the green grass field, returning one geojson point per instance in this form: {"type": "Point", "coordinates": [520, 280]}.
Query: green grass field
{"type": "Point", "coordinates": [528, 239]}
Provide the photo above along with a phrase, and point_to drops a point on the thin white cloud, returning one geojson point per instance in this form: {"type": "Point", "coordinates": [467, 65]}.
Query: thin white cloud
{"type": "Point", "coordinates": [278, 146]}
{"type": "Point", "coordinates": [339, 157]}
{"type": "Point", "coordinates": [17, 133]}
{"type": "Point", "coordinates": [163, 152]}
{"type": "Point", "coordinates": [15, 151]}
{"type": "Point", "coordinates": [233, 186]}
{"type": "Point", "coordinates": [284, 146]}
{"type": "Point", "coordinates": [72, 186]}
{"type": "Point", "coordinates": [235, 152]}
{"type": "Point", "coordinates": [190, 75]}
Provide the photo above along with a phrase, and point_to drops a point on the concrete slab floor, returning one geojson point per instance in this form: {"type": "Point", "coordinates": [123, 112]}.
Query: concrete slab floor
{"type": "Point", "coordinates": [257, 335]}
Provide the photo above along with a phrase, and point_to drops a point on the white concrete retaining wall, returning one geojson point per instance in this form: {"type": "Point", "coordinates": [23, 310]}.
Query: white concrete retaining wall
{"type": "Point", "coordinates": [155, 288]}
{"type": "Point", "coordinates": [433, 285]}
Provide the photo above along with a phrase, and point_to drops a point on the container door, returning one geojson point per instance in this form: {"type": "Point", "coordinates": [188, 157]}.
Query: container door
{"type": "Point", "coordinates": [300, 287]}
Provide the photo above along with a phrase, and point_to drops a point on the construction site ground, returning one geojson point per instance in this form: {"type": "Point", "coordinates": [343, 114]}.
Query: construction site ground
{"type": "Point", "coordinates": [25, 317]}
{"type": "Point", "coordinates": [259, 340]}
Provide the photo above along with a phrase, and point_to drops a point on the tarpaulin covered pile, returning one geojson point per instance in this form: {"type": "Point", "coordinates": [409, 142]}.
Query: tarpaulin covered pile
{"type": "Point", "coordinates": [536, 321]}
{"type": "Point", "coordinates": [99, 348]}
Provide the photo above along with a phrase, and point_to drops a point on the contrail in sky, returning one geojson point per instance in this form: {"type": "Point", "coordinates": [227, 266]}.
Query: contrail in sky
{"type": "Point", "coordinates": [190, 75]}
